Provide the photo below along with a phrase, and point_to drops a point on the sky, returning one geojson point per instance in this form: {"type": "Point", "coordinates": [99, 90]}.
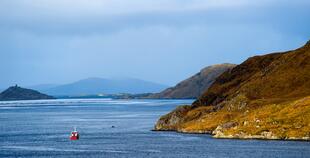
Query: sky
{"type": "Point", "coordinates": [164, 41]}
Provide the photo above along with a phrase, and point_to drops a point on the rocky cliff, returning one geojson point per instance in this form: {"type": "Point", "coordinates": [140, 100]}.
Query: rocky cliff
{"type": "Point", "coordinates": [194, 86]}
{"type": "Point", "coordinates": [18, 93]}
{"type": "Point", "coordinates": [265, 97]}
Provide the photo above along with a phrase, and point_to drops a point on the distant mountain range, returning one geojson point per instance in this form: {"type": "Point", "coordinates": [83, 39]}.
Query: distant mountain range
{"type": "Point", "coordinates": [41, 87]}
{"type": "Point", "coordinates": [94, 86]}
{"type": "Point", "coordinates": [194, 86]}
{"type": "Point", "coordinates": [18, 93]}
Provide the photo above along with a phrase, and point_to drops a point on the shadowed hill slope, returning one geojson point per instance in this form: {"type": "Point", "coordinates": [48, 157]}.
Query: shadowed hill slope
{"type": "Point", "coordinates": [194, 86]}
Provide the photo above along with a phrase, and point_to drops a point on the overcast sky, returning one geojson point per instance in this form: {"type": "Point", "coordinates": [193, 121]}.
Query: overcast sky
{"type": "Point", "coordinates": [60, 41]}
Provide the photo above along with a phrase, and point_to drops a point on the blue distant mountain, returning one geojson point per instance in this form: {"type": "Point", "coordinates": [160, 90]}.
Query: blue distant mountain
{"type": "Point", "coordinates": [41, 87]}
{"type": "Point", "coordinates": [92, 86]}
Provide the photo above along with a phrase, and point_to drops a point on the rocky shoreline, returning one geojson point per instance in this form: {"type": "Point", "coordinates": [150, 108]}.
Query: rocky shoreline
{"type": "Point", "coordinates": [217, 134]}
{"type": "Point", "coordinates": [247, 125]}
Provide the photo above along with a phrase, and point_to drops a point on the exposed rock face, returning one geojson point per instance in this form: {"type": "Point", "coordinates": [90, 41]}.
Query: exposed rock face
{"type": "Point", "coordinates": [194, 86]}
{"type": "Point", "coordinates": [265, 97]}
{"type": "Point", "coordinates": [172, 120]}
{"type": "Point", "coordinates": [218, 133]}
{"type": "Point", "coordinates": [18, 93]}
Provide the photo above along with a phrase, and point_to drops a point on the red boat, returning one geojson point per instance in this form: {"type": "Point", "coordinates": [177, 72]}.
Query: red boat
{"type": "Point", "coordinates": [74, 135]}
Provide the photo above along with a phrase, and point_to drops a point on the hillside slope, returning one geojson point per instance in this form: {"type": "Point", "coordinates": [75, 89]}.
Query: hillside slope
{"type": "Point", "coordinates": [18, 93]}
{"type": "Point", "coordinates": [194, 86]}
{"type": "Point", "coordinates": [265, 97]}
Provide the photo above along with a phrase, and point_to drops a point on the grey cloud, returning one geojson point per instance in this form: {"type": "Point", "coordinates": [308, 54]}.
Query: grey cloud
{"type": "Point", "coordinates": [165, 45]}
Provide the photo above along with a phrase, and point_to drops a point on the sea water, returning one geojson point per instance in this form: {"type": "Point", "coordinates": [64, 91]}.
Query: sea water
{"type": "Point", "coordinates": [117, 128]}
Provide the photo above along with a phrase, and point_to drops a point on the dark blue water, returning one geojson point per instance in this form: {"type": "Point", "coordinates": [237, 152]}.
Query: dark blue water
{"type": "Point", "coordinates": [42, 129]}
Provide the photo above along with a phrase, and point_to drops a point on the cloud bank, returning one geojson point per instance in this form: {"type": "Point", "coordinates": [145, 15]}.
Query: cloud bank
{"type": "Point", "coordinates": [61, 41]}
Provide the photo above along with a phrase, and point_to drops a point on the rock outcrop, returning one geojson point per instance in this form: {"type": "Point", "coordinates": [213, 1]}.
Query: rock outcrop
{"type": "Point", "coordinates": [173, 119]}
{"type": "Point", "coordinates": [265, 97]}
{"type": "Point", "coordinates": [18, 93]}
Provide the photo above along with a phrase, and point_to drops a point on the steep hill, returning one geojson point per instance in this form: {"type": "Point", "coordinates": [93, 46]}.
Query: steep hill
{"type": "Point", "coordinates": [194, 86]}
{"type": "Point", "coordinates": [18, 93]}
{"type": "Point", "coordinates": [106, 86]}
{"type": "Point", "coordinates": [265, 97]}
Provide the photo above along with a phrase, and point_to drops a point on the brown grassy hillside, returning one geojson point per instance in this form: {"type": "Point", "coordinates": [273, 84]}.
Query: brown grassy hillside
{"type": "Point", "coordinates": [262, 87]}
{"type": "Point", "coordinates": [272, 76]}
